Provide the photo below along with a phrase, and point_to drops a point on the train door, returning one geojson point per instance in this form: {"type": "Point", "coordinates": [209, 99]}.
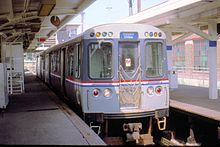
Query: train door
{"type": "Point", "coordinates": [47, 68]}
{"type": "Point", "coordinates": [63, 57]}
{"type": "Point", "coordinates": [129, 75]}
{"type": "Point", "coordinates": [42, 67]}
{"type": "Point", "coordinates": [38, 66]}
{"type": "Point", "coordinates": [50, 69]}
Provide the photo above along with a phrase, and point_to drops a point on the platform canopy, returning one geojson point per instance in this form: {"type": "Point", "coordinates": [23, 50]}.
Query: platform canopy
{"type": "Point", "coordinates": [183, 18]}
{"type": "Point", "coordinates": [180, 16]}
{"type": "Point", "coordinates": [30, 20]}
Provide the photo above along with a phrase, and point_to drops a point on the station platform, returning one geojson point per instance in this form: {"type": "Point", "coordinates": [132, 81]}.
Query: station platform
{"type": "Point", "coordinates": [39, 117]}
{"type": "Point", "coordinates": [195, 100]}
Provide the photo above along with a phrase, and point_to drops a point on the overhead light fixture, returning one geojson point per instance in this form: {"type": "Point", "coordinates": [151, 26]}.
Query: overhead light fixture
{"type": "Point", "coordinates": [46, 7]}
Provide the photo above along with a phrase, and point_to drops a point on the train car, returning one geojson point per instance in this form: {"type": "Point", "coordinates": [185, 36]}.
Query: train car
{"type": "Point", "coordinates": [116, 74]}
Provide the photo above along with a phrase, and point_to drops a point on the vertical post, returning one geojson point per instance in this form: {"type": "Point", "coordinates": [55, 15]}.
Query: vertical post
{"type": "Point", "coordinates": [212, 60]}
{"type": "Point", "coordinates": [138, 6]}
{"type": "Point", "coordinates": [130, 8]}
{"type": "Point", "coordinates": [189, 57]}
{"type": "Point", "coordinates": [169, 50]}
{"type": "Point", "coordinates": [82, 21]}
{"type": "Point", "coordinates": [173, 83]}
{"type": "Point", "coordinates": [10, 64]}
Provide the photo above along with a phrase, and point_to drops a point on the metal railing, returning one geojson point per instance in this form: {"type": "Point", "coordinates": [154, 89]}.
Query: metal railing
{"type": "Point", "coordinates": [195, 76]}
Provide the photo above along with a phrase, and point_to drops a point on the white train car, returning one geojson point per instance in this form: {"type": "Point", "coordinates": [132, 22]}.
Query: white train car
{"type": "Point", "coordinates": [117, 76]}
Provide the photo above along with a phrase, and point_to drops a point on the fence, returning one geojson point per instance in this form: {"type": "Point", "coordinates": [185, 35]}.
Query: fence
{"type": "Point", "coordinates": [195, 76]}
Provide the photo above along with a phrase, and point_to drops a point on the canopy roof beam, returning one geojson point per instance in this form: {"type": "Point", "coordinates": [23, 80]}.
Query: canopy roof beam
{"type": "Point", "coordinates": [193, 29]}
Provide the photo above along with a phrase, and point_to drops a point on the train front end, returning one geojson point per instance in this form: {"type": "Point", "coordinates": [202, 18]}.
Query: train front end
{"type": "Point", "coordinates": [127, 78]}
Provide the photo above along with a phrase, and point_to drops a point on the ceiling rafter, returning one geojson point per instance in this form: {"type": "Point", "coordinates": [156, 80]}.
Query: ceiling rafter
{"type": "Point", "coordinates": [19, 19]}
{"type": "Point", "coordinates": [191, 28]}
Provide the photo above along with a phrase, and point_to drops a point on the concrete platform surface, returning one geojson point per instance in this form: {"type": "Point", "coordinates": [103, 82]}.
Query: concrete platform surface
{"type": "Point", "coordinates": [39, 117]}
{"type": "Point", "coordinates": [195, 100]}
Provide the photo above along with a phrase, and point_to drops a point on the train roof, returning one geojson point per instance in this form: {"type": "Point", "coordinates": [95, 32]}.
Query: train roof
{"type": "Point", "coordinates": [144, 31]}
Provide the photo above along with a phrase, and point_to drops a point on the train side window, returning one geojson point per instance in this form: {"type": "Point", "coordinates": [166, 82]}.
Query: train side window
{"type": "Point", "coordinates": [154, 59]}
{"type": "Point", "coordinates": [77, 60]}
{"type": "Point", "coordinates": [53, 62]}
{"type": "Point", "coordinates": [70, 62]}
{"type": "Point", "coordinates": [100, 60]}
{"type": "Point", "coordinates": [58, 55]}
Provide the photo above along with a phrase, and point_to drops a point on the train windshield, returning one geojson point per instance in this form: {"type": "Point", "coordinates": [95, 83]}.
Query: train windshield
{"type": "Point", "coordinates": [100, 60]}
{"type": "Point", "coordinates": [154, 59]}
{"type": "Point", "coordinates": [129, 53]}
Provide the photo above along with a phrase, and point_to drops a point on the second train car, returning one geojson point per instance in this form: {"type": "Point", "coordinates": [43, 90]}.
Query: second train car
{"type": "Point", "coordinates": [116, 74]}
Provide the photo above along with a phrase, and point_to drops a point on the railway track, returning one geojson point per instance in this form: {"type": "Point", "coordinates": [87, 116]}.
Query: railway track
{"type": "Point", "coordinates": [184, 129]}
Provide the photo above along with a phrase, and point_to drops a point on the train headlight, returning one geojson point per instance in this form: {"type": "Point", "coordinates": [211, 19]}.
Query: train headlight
{"type": "Point", "coordinates": [158, 89]}
{"type": "Point", "coordinates": [104, 34]}
{"type": "Point", "coordinates": [107, 92]}
{"type": "Point", "coordinates": [92, 34]}
{"type": "Point", "coordinates": [110, 34]}
{"type": "Point", "coordinates": [96, 92]}
{"type": "Point", "coordinates": [160, 34]}
{"type": "Point", "coordinates": [150, 90]}
{"type": "Point", "coordinates": [146, 34]}
{"type": "Point", "coordinates": [98, 34]}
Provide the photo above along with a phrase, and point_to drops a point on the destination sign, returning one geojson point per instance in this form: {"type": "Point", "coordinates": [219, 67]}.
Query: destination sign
{"type": "Point", "coordinates": [128, 35]}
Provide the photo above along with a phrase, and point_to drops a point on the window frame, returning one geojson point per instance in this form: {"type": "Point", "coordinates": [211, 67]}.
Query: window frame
{"type": "Point", "coordinates": [136, 43]}
{"type": "Point", "coordinates": [200, 52]}
{"type": "Point", "coordinates": [55, 61]}
{"type": "Point", "coordinates": [77, 49]}
{"type": "Point", "coordinates": [163, 58]}
{"type": "Point", "coordinates": [178, 54]}
{"type": "Point", "coordinates": [70, 67]}
{"type": "Point", "coordinates": [89, 60]}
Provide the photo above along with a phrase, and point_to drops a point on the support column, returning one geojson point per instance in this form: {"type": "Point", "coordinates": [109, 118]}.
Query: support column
{"type": "Point", "coordinates": [212, 60]}
{"type": "Point", "coordinates": [173, 82]}
{"type": "Point", "coordinates": [169, 50]}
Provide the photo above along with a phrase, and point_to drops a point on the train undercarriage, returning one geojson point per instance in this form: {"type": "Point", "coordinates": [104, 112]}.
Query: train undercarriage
{"type": "Point", "coordinates": [137, 131]}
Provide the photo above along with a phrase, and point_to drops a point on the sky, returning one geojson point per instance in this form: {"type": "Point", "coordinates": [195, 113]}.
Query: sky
{"type": "Point", "coordinates": [106, 11]}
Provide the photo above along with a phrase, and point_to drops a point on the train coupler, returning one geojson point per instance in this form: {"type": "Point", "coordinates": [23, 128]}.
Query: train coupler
{"type": "Point", "coordinates": [161, 123]}
{"type": "Point", "coordinates": [95, 128]}
{"type": "Point", "coordinates": [133, 131]}
{"type": "Point", "coordinates": [160, 116]}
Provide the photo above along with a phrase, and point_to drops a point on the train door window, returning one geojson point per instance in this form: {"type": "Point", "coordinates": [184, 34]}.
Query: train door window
{"type": "Point", "coordinates": [100, 60]}
{"type": "Point", "coordinates": [70, 61]}
{"type": "Point", "coordinates": [128, 54]}
{"type": "Point", "coordinates": [42, 62]}
{"type": "Point", "coordinates": [38, 65]}
{"type": "Point", "coordinates": [77, 60]}
{"type": "Point", "coordinates": [53, 62]}
{"type": "Point", "coordinates": [154, 59]}
{"type": "Point", "coordinates": [58, 55]}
